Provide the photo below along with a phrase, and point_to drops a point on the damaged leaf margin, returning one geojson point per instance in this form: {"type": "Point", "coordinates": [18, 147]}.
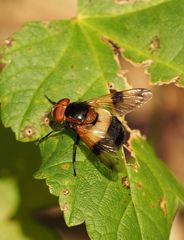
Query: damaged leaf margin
{"type": "Point", "coordinates": [147, 33]}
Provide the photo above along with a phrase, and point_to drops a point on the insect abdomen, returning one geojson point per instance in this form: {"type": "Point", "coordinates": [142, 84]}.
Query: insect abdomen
{"type": "Point", "coordinates": [113, 139]}
{"type": "Point", "coordinates": [116, 132]}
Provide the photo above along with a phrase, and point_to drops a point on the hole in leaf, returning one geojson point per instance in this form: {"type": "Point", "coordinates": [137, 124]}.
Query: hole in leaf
{"type": "Point", "coordinates": [128, 69]}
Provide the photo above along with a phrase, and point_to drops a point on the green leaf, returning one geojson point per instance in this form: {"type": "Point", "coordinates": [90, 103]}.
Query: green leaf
{"type": "Point", "coordinates": [57, 59]}
{"type": "Point", "coordinates": [70, 58]}
{"type": "Point", "coordinates": [144, 200]}
{"type": "Point", "coordinates": [75, 59]}
{"type": "Point", "coordinates": [151, 31]}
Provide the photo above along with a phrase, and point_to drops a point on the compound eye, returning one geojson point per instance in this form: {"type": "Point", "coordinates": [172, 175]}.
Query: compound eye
{"type": "Point", "coordinates": [59, 109]}
{"type": "Point", "coordinates": [58, 113]}
{"type": "Point", "coordinates": [64, 102]}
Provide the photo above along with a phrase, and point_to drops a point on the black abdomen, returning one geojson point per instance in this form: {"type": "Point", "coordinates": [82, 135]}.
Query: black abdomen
{"type": "Point", "coordinates": [113, 139]}
{"type": "Point", "coordinates": [77, 110]}
{"type": "Point", "coordinates": [116, 132]}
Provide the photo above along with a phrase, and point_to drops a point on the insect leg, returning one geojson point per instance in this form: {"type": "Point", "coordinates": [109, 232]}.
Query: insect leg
{"type": "Point", "coordinates": [48, 135]}
{"type": "Point", "coordinates": [74, 153]}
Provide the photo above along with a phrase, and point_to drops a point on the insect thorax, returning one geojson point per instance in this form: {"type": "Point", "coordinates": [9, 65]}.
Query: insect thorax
{"type": "Point", "coordinates": [77, 110]}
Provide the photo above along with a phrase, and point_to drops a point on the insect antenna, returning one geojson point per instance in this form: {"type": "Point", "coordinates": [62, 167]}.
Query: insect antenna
{"type": "Point", "coordinates": [52, 102]}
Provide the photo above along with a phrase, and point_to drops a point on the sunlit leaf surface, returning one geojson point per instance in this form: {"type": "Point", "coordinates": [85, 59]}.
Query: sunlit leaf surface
{"type": "Point", "coordinates": [73, 59]}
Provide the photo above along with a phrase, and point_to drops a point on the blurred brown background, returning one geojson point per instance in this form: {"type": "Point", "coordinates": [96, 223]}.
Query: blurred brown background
{"type": "Point", "coordinates": [162, 120]}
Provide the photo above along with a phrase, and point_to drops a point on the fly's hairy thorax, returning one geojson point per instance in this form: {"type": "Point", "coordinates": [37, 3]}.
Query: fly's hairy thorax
{"type": "Point", "coordinates": [77, 111]}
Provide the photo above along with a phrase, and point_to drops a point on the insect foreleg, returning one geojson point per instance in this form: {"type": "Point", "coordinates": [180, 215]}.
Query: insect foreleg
{"type": "Point", "coordinates": [49, 135]}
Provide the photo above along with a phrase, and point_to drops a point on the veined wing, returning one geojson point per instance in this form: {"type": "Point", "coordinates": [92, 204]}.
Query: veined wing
{"type": "Point", "coordinates": [122, 102]}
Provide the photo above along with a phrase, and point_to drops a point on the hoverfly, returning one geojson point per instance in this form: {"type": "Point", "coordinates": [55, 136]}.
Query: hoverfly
{"type": "Point", "coordinates": [98, 121]}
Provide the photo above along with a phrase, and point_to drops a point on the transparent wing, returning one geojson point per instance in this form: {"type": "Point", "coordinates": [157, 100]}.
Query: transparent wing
{"type": "Point", "coordinates": [122, 102]}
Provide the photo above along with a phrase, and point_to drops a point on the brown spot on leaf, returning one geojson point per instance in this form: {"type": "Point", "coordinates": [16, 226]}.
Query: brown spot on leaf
{"type": "Point", "coordinates": [8, 42]}
{"type": "Point", "coordinates": [117, 51]}
{"type": "Point", "coordinates": [30, 49]}
{"type": "Point", "coordinates": [45, 121]}
{"type": "Point", "coordinates": [154, 44]}
{"type": "Point", "coordinates": [163, 206]}
{"type": "Point", "coordinates": [66, 192]}
{"type": "Point", "coordinates": [125, 182]}
{"type": "Point", "coordinates": [115, 48]}
{"type": "Point", "coordinates": [65, 207]}
{"type": "Point", "coordinates": [136, 167]}
{"type": "Point", "coordinates": [139, 184]}
{"type": "Point", "coordinates": [111, 88]}
{"type": "Point", "coordinates": [73, 72]}
{"type": "Point", "coordinates": [28, 132]}
{"type": "Point", "coordinates": [65, 166]}
{"type": "Point", "coordinates": [152, 205]}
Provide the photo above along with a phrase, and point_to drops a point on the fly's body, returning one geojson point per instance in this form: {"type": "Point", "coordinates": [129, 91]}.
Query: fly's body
{"type": "Point", "coordinates": [97, 121]}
